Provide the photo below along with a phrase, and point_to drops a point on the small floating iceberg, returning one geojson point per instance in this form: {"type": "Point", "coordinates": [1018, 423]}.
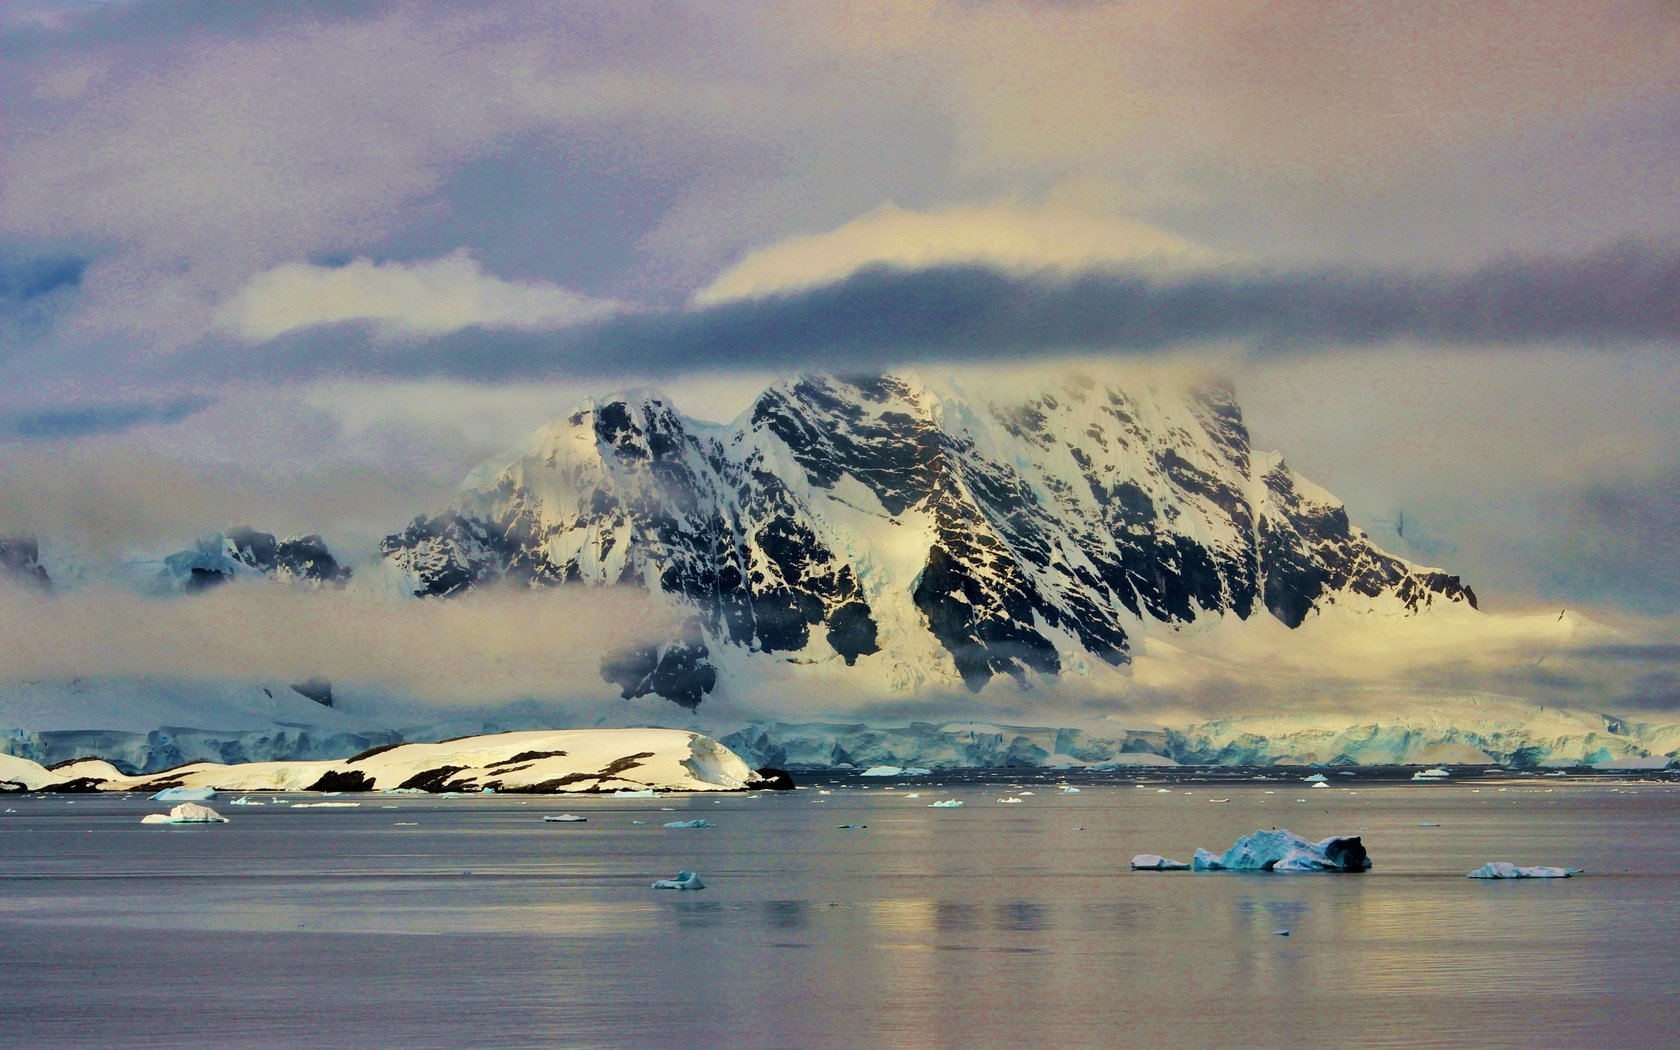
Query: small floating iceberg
{"type": "Point", "coordinates": [1156, 862]}
{"type": "Point", "coordinates": [184, 794]}
{"type": "Point", "coordinates": [186, 813]}
{"type": "Point", "coordinates": [699, 822]}
{"type": "Point", "coordinates": [246, 800]}
{"type": "Point", "coordinates": [1499, 869]}
{"type": "Point", "coordinates": [1006, 801]}
{"type": "Point", "coordinates": [1067, 789]}
{"type": "Point", "coordinates": [1432, 773]}
{"type": "Point", "coordinates": [565, 818]}
{"type": "Point", "coordinates": [634, 793]}
{"type": "Point", "coordinates": [883, 771]}
{"type": "Point", "coordinates": [684, 880]}
{"type": "Point", "coordinates": [1316, 778]}
{"type": "Point", "coordinates": [1284, 851]}
{"type": "Point", "coordinates": [949, 803]}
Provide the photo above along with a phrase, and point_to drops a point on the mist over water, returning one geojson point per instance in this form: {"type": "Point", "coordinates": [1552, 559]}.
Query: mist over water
{"type": "Point", "coordinates": [420, 921]}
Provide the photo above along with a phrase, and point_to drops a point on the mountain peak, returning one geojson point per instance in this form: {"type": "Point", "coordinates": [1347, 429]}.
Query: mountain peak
{"type": "Point", "coordinates": [905, 533]}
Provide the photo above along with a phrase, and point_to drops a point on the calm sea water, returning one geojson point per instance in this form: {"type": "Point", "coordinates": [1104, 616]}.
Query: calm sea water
{"type": "Point", "coordinates": [422, 922]}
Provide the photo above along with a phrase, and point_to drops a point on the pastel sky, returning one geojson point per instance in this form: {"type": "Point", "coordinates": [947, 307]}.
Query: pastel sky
{"type": "Point", "coordinates": [304, 263]}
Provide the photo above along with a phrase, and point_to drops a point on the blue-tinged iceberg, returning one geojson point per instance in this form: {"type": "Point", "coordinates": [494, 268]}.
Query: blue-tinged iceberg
{"type": "Point", "coordinates": [1285, 851]}
{"type": "Point", "coordinates": [184, 794]}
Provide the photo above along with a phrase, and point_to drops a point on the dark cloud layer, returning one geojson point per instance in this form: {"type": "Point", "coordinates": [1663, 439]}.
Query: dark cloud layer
{"type": "Point", "coordinates": [30, 278]}
{"type": "Point", "coordinates": [103, 418]}
{"type": "Point", "coordinates": [1626, 296]}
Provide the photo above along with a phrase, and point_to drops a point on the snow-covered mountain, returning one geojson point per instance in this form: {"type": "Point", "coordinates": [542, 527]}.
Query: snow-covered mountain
{"type": "Point", "coordinates": [918, 534]}
{"type": "Point", "coordinates": [241, 552]}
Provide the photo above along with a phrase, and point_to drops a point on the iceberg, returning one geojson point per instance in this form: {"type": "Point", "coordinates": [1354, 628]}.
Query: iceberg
{"type": "Point", "coordinates": [1156, 862]}
{"type": "Point", "coordinates": [185, 813]}
{"type": "Point", "coordinates": [950, 803]}
{"type": "Point", "coordinates": [634, 793]}
{"type": "Point", "coordinates": [684, 880]}
{"type": "Point", "coordinates": [1316, 778]}
{"type": "Point", "coordinates": [696, 823]}
{"type": "Point", "coordinates": [1432, 773]}
{"type": "Point", "coordinates": [882, 771]}
{"type": "Point", "coordinates": [565, 818]}
{"type": "Point", "coordinates": [1284, 851]}
{"type": "Point", "coordinates": [184, 794]}
{"type": "Point", "coordinates": [917, 771]}
{"type": "Point", "coordinates": [1499, 869]}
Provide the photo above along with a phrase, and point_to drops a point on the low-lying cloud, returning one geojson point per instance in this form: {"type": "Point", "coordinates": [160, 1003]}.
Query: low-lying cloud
{"type": "Point", "coordinates": [401, 300]}
{"type": "Point", "coordinates": [486, 647]}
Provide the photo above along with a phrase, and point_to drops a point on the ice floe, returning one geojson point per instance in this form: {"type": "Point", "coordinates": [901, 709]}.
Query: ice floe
{"type": "Point", "coordinates": [1284, 851]}
{"type": "Point", "coordinates": [185, 813]}
{"type": "Point", "coordinates": [1499, 869]}
{"type": "Point", "coordinates": [564, 818]}
{"type": "Point", "coordinates": [684, 880]}
{"type": "Point", "coordinates": [949, 803]}
{"type": "Point", "coordinates": [698, 822]}
{"type": "Point", "coordinates": [1156, 862]}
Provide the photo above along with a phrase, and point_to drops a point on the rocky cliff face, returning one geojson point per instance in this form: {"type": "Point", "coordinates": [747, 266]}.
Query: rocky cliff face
{"type": "Point", "coordinates": [916, 533]}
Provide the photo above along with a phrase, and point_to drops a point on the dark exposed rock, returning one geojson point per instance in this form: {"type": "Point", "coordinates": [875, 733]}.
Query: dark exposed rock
{"type": "Point", "coordinates": [76, 786]}
{"type": "Point", "coordinates": [772, 779]}
{"type": "Point", "coordinates": [201, 579]}
{"type": "Point", "coordinates": [433, 780]}
{"type": "Point", "coordinates": [1347, 854]}
{"type": "Point", "coordinates": [370, 752]}
{"type": "Point", "coordinates": [20, 563]}
{"type": "Point", "coordinates": [342, 780]}
{"type": "Point", "coordinates": [316, 689]}
{"type": "Point", "coordinates": [525, 756]}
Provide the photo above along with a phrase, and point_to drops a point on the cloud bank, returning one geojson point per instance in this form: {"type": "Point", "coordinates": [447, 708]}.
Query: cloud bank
{"type": "Point", "coordinates": [484, 647]}
{"type": "Point", "coordinates": [419, 299]}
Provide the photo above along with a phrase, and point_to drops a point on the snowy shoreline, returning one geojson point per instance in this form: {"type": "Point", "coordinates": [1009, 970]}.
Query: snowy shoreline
{"type": "Point", "coordinates": [536, 762]}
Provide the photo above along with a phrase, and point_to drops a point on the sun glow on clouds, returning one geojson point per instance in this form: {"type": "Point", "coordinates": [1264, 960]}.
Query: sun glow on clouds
{"type": "Point", "coordinates": [427, 298]}
{"type": "Point", "coordinates": [1054, 236]}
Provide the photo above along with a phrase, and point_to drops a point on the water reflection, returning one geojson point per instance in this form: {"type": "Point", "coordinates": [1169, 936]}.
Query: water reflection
{"type": "Point", "coordinates": [979, 926]}
{"type": "Point", "coordinates": [787, 915]}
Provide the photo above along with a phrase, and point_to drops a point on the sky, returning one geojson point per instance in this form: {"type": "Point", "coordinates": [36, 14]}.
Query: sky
{"type": "Point", "coordinates": [303, 264]}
